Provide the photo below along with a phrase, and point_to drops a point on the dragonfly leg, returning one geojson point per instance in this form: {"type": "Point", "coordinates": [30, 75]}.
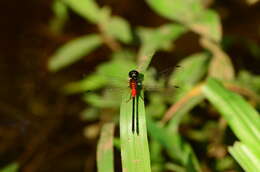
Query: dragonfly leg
{"type": "Point", "coordinates": [129, 98]}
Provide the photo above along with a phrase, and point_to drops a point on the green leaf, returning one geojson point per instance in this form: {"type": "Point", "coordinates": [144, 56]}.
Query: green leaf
{"type": "Point", "coordinates": [134, 147]}
{"type": "Point", "coordinates": [87, 9]}
{"type": "Point", "coordinates": [190, 13]}
{"type": "Point", "coordinates": [105, 160]}
{"type": "Point", "coordinates": [245, 157]}
{"type": "Point", "coordinates": [162, 37]}
{"type": "Point", "coordinates": [178, 149]}
{"type": "Point", "coordinates": [13, 167]}
{"type": "Point", "coordinates": [90, 83]}
{"type": "Point", "coordinates": [193, 68]}
{"type": "Point", "coordinates": [182, 11]}
{"type": "Point", "coordinates": [73, 51]}
{"type": "Point", "coordinates": [207, 25]}
{"type": "Point", "coordinates": [118, 28]}
{"type": "Point", "coordinates": [60, 16]}
{"type": "Point", "coordinates": [241, 117]}
{"type": "Point", "coordinates": [109, 99]}
{"type": "Point", "coordinates": [116, 70]}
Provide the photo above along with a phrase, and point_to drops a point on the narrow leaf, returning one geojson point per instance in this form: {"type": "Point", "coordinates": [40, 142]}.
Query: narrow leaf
{"type": "Point", "coordinates": [134, 147]}
{"type": "Point", "coordinates": [105, 160]}
{"type": "Point", "coordinates": [246, 158]}
{"type": "Point", "coordinates": [73, 51]}
{"type": "Point", "coordinates": [241, 117]}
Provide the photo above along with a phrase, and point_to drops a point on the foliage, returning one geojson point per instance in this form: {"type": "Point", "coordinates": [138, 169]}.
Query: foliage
{"type": "Point", "coordinates": [207, 75]}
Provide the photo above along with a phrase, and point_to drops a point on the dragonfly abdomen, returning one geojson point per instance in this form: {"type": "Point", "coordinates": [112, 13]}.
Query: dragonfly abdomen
{"type": "Point", "coordinates": [133, 87]}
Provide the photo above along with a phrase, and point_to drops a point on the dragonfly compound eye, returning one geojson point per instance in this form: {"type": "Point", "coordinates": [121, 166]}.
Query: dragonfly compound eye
{"type": "Point", "coordinates": [133, 74]}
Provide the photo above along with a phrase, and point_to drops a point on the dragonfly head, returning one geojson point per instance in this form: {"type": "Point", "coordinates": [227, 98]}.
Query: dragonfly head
{"type": "Point", "coordinates": [133, 74]}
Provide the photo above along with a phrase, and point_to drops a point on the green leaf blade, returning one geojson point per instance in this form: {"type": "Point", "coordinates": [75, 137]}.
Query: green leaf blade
{"type": "Point", "coordinates": [242, 118]}
{"type": "Point", "coordinates": [105, 159]}
{"type": "Point", "coordinates": [134, 148]}
{"type": "Point", "coordinates": [73, 51]}
{"type": "Point", "coordinates": [247, 158]}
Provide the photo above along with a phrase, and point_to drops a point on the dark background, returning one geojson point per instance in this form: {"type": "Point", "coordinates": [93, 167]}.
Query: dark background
{"type": "Point", "coordinates": [39, 126]}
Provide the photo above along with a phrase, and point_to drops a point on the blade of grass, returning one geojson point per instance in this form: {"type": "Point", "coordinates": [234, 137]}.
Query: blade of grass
{"type": "Point", "coordinates": [241, 117]}
{"type": "Point", "coordinates": [105, 160]}
{"type": "Point", "coordinates": [134, 148]}
{"type": "Point", "coordinates": [246, 158]}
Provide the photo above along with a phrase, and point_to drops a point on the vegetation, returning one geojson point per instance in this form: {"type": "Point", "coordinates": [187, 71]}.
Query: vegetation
{"type": "Point", "coordinates": [209, 123]}
{"type": "Point", "coordinates": [207, 75]}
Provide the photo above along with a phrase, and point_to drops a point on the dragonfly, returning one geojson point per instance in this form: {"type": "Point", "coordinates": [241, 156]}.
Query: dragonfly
{"type": "Point", "coordinates": [116, 83]}
{"type": "Point", "coordinates": [135, 84]}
